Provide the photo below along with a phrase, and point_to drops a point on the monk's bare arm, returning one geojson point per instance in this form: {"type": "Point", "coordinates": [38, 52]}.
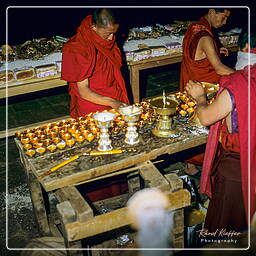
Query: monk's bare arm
{"type": "Point", "coordinates": [87, 94]}
{"type": "Point", "coordinates": [206, 45]}
{"type": "Point", "coordinates": [209, 114]}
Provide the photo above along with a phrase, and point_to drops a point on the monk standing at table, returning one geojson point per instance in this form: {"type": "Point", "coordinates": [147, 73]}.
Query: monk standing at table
{"type": "Point", "coordinates": [91, 65]}
{"type": "Point", "coordinates": [230, 156]}
{"type": "Point", "coordinates": [201, 61]}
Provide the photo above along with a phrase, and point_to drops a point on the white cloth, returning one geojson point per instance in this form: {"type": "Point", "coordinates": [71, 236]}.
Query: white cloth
{"type": "Point", "coordinates": [243, 60]}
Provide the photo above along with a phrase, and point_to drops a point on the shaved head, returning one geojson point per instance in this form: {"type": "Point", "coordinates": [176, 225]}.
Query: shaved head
{"type": "Point", "coordinates": [103, 18]}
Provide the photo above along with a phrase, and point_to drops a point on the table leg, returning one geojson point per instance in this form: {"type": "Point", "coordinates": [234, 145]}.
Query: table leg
{"type": "Point", "coordinates": [37, 198]}
{"type": "Point", "coordinates": [38, 202]}
{"type": "Point", "coordinates": [135, 83]}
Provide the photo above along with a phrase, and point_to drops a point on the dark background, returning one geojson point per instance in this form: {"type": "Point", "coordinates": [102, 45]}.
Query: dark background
{"type": "Point", "coordinates": [25, 23]}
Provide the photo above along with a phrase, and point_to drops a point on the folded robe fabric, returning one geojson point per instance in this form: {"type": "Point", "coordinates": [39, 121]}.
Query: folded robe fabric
{"type": "Point", "coordinates": [87, 55]}
{"type": "Point", "coordinates": [197, 70]}
{"type": "Point", "coordinates": [245, 96]}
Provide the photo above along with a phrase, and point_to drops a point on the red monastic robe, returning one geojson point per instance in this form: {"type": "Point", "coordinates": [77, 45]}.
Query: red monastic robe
{"type": "Point", "coordinates": [196, 70]}
{"type": "Point", "coordinates": [87, 55]}
{"type": "Point", "coordinates": [245, 97]}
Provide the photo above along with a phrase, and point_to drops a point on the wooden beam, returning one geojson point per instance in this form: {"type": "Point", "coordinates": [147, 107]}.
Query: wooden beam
{"type": "Point", "coordinates": [31, 85]}
{"type": "Point", "coordinates": [66, 212]}
{"type": "Point", "coordinates": [175, 182]}
{"type": "Point", "coordinates": [38, 203]}
{"type": "Point", "coordinates": [82, 209]}
{"type": "Point", "coordinates": [152, 177]}
{"type": "Point", "coordinates": [117, 218]}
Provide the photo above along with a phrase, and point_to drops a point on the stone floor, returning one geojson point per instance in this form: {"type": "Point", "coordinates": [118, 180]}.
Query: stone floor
{"type": "Point", "coordinates": [28, 109]}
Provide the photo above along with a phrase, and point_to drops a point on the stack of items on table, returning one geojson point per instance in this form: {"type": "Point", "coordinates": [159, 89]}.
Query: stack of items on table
{"type": "Point", "coordinates": [163, 40]}
{"type": "Point", "coordinates": [35, 58]}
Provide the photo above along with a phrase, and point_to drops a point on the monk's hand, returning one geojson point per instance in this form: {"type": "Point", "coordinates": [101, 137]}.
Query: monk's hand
{"type": "Point", "coordinates": [224, 51]}
{"type": "Point", "coordinates": [116, 104]}
{"type": "Point", "coordinates": [195, 89]}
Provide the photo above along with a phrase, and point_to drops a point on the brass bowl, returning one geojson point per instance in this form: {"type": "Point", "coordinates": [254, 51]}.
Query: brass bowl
{"type": "Point", "coordinates": [70, 142]}
{"type": "Point", "coordinates": [183, 112]}
{"type": "Point", "coordinates": [25, 140]}
{"type": "Point", "coordinates": [27, 146]}
{"type": "Point", "coordinates": [47, 131]}
{"type": "Point", "coordinates": [66, 136]}
{"type": "Point", "coordinates": [80, 138]}
{"type": "Point", "coordinates": [89, 136]}
{"type": "Point", "coordinates": [51, 147]}
{"type": "Point", "coordinates": [38, 145]}
{"type": "Point", "coordinates": [30, 152]}
{"type": "Point", "coordinates": [39, 132]}
{"type": "Point", "coordinates": [18, 134]}
{"type": "Point", "coordinates": [210, 89]}
{"type": "Point", "coordinates": [42, 137]}
{"type": "Point", "coordinates": [61, 145]}
{"type": "Point", "coordinates": [47, 142]}
{"type": "Point", "coordinates": [28, 131]}
{"type": "Point", "coordinates": [34, 140]}
{"type": "Point", "coordinates": [55, 129]}
{"type": "Point", "coordinates": [191, 103]}
{"type": "Point", "coordinates": [41, 150]}
{"type": "Point", "coordinates": [165, 110]}
{"type": "Point", "coordinates": [56, 140]}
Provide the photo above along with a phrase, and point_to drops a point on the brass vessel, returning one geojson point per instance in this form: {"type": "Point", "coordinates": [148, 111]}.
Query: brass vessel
{"type": "Point", "coordinates": [165, 111]}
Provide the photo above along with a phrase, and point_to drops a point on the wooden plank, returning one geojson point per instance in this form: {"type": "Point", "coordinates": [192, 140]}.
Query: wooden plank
{"type": "Point", "coordinates": [117, 218]}
{"type": "Point", "coordinates": [31, 85]}
{"type": "Point", "coordinates": [177, 235]}
{"type": "Point", "coordinates": [11, 132]}
{"type": "Point", "coordinates": [66, 212]}
{"type": "Point", "coordinates": [153, 178]}
{"type": "Point", "coordinates": [38, 203]}
{"type": "Point", "coordinates": [114, 202]}
{"type": "Point", "coordinates": [133, 180]}
{"type": "Point", "coordinates": [83, 210]}
{"type": "Point", "coordinates": [118, 165]}
{"type": "Point", "coordinates": [175, 182]}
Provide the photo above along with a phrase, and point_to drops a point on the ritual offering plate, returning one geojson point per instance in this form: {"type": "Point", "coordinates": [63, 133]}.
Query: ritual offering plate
{"type": "Point", "coordinates": [210, 89]}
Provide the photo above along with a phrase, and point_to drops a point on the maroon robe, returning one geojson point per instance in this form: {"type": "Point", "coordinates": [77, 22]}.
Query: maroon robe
{"type": "Point", "coordinates": [238, 84]}
{"type": "Point", "coordinates": [87, 55]}
{"type": "Point", "coordinates": [196, 70]}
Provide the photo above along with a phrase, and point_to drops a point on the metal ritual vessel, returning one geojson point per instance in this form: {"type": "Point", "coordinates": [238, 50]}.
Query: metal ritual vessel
{"type": "Point", "coordinates": [103, 120]}
{"type": "Point", "coordinates": [165, 107]}
{"type": "Point", "coordinates": [131, 115]}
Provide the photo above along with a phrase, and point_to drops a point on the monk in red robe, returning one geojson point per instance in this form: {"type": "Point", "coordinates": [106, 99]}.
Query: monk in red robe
{"type": "Point", "coordinates": [201, 60]}
{"type": "Point", "coordinates": [229, 168]}
{"type": "Point", "coordinates": [91, 64]}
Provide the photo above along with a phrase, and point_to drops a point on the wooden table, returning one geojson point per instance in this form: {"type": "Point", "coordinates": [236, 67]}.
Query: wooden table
{"type": "Point", "coordinates": [136, 67]}
{"type": "Point", "coordinates": [37, 84]}
{"type": "Point", "coordinates": [31, 85]}
{"type": "Point", "coordinates": [75, 213]}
